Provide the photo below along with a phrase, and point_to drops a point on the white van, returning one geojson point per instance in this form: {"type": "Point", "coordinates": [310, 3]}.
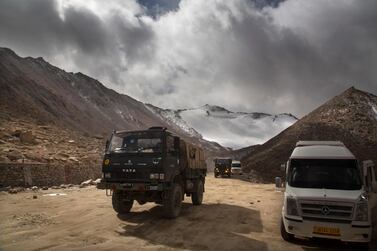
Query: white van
{"type": "Point", "coordinates": [328, 194]}
{"type": "Point", "coordinates": [236, 168]}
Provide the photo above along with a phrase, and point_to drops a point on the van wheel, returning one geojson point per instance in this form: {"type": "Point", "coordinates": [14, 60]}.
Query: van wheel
{"type": "Point", "coordinates": [120, 205]}
{"type": "Point", "coordinates": [197, 196]}
{"type": "Point", "coordinates": [173, 203]}
{"type": "Point", "coordinates": [284, 234]}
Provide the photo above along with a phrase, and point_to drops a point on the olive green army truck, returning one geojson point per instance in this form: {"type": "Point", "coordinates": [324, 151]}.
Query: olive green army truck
{"type": "Point", "coordinates": [152, 165]}
{"type": "Point", "coordinates": [223, 167]}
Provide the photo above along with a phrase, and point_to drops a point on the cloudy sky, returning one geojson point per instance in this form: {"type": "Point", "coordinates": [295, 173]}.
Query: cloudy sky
{"type": "Point", "coordinates": [246, 55]}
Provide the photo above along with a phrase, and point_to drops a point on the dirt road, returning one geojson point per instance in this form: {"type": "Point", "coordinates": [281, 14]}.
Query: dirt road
{"type": "Point", "coordinates": [236, 215]}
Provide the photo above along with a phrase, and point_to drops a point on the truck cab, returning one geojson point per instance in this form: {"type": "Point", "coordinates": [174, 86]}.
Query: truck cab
{"type": "Point", "coordinates": [152, 165]}
{"type": "Point", "coordinates": [328, 194]}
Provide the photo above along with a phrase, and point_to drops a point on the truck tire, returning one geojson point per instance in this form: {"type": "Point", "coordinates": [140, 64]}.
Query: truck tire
{"type": "Point", "coordinates": [216, 175]}
{"type": "Point", "coordinates": [173, 202]}
{"type": "Point", "coordinates": [197, 196]}
{"type": "Point", "coordinates": [120, 205]}
{"type": "Point", "coordinates": [284, 234]}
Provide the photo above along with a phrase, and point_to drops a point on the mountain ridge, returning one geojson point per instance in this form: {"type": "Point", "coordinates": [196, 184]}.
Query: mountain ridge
{"type": "Point", "coordinates": [350, 117]}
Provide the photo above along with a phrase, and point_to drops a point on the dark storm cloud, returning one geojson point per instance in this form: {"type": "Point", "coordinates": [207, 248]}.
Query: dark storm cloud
{"type": "Point", "coordinates": [156, 8]}
{"type": "Point", "coordinates": [257, 55]}
{"type": "Point", "coordinates": [77, 35]}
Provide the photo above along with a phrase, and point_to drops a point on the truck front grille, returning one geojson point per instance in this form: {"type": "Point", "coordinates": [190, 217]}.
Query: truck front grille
{"type": "Point", "coordinates": [326, 210]}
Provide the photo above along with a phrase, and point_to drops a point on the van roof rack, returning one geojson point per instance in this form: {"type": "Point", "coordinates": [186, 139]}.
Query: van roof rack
{"type": "Point", "coordinates": [319, 143]}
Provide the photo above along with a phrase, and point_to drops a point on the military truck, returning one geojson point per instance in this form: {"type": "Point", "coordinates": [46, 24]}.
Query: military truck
{"type": "Point", "coordinates": [152, 165]}
{"type": "Point", "coordinates": [223, 167]}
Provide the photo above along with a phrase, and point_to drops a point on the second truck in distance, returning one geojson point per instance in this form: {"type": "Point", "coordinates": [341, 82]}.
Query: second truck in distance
{"type": "Point", "coordinates": [152, 166]}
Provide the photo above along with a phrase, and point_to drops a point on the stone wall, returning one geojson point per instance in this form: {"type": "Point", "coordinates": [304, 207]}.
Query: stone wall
{"type": "Point", "coordinates": [37, 174]}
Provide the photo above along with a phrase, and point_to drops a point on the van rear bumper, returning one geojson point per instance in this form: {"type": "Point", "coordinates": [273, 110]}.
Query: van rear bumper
{"type": "Point", "coordinates": [347, 232]}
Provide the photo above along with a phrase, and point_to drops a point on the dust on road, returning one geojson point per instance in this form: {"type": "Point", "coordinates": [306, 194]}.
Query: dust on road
{"type": "Point", "coordinates": [236, 215]}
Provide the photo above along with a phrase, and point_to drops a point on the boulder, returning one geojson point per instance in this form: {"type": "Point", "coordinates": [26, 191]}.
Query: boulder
{"type": "Point", "coordinates": [14, 155]}
{"type": "Point", "coordinates": [86, 183]}
{"type": "Point", "coordinates": [16, 190]}
{"type": "Point", "coordinates": [75, 159]}
{"type": "Point", "coordinates": [44, 188]}
{"type": "Point", "coordinates": [34, 188]}
{"type": "Point", "coordinates": [27, 137]}
{"type": "Point", "coordinates": [16, 133]}
{"type": "Point", "coordinates": [4, 159]}
{"type": "Point", "coordinates": [95, 182]}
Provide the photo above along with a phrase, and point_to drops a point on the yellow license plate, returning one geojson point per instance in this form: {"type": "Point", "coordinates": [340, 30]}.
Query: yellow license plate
{"type": "Point", "coordinates": [326, 231]}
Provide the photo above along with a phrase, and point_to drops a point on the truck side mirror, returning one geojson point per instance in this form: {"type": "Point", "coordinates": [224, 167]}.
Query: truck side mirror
{"type": "Point", "coordinates": [176, 143]}
{"type": "Point", "coordinates": [282, 167]}
{"type": "Point", "coordinates": [107, 145]}
{"type": "Point", "coordinates": [374, 187]}
{"type": "Point", "coordinates": [366, 164]}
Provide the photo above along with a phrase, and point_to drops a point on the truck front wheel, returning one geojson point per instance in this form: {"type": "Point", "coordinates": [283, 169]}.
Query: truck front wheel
{"type": "Point", "coordinates": [173, 202]}
{"type": "Point", "coordinates": [121, 205]}
{"type": "Point", "coordinates": [197, 196]}
{"type": "Point", "coordinates": [284, 234]}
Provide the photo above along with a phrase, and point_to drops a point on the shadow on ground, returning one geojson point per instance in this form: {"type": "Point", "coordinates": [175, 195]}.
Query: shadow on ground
{"type": "Point", "coordinates": [205, 227]}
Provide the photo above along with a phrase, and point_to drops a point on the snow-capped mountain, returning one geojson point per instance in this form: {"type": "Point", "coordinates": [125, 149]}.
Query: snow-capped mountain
{"type": "Point", "coordinates": [230, 129]}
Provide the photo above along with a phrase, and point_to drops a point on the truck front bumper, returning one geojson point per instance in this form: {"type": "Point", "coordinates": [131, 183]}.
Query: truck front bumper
{"type": "Point", "coordinates": [347, 232]}
{"type": "Point", "coordinates": [126, 186]}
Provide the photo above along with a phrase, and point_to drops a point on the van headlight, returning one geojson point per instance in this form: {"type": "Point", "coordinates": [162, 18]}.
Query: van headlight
{"type": "Point", "coordinates": [291, 206]}
{"type": "Point", "coordinates": [361, 212]}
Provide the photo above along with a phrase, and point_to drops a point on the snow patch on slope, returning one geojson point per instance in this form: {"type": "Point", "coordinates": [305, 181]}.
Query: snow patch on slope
{"type": "Point", "coordinates": [230, 129]}
{"type": "Point", "coordinates": [236, 130]}
{"type": "Point", "coordinates": [173, 118]}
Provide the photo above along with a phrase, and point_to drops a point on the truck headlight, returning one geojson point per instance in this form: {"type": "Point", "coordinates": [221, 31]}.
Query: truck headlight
{"type": "Point", "coordinates": [361, 212]}
{"type": "Point", "coordinates": [107, 175]}
{"type": "Point", "coordinates": [154, 176]}
{"type": "Point", "coordinates": [106, 162]}
{"type": "Point", "coordinates": [291, 206]}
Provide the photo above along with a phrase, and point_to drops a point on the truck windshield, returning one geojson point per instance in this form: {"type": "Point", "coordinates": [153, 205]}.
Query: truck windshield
{"type": "Point", "coordinates": [329, 174]}
{"type": "Point", "coordinates": [136, 143]}
{"type": "Point", "coordinates": [222, 162]}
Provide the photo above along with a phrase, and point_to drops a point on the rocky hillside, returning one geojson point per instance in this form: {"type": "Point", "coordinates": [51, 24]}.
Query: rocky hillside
{"type": "Point", "coordinates": [350, 117]}
{"type": "Point", "coordinates": [230, 129]}
{"type": "Point", "coordinates": [35, 93]}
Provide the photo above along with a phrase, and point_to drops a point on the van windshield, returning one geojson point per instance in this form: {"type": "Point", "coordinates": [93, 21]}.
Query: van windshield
{"type": "Point", "coordinates": [329, 174]}
{"type": "Point", "coordinates": [136, 143]}
{"type": "Point", "coordinates": [236, 165]}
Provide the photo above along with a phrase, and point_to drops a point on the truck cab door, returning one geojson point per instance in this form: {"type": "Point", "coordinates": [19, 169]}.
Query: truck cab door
{"type": "Point", "coordinates": [171, 160]}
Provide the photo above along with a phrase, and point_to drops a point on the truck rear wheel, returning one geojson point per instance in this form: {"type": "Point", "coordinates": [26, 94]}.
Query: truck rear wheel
{"type": "Point", "coordinates": [120, 205]}
{"type": "Point", "coordinates": [197, 196]}
{"type": "Point", "coordinates": [173, 203]}
{"type": "Point", "coordinates": [284, 234]}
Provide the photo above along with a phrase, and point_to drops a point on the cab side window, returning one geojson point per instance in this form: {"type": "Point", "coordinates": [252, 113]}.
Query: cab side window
{"type": "Point", "coordinates": [170, 144]}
